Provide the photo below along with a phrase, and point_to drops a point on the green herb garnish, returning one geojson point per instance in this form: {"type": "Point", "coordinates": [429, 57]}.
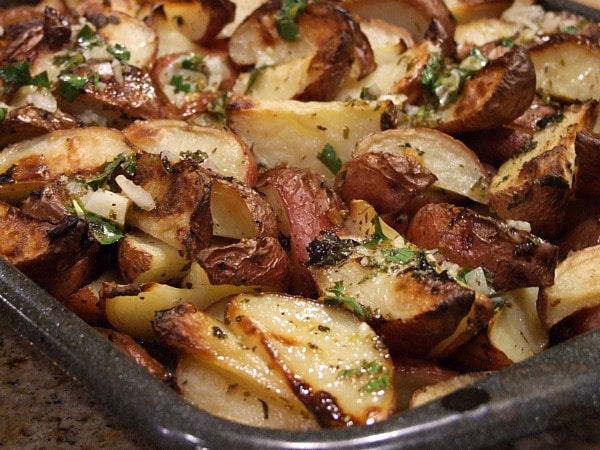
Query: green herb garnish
{"type": "Point", "coordinates": [195, 63]}
{"type": "Point", "coordinates": [3, 112]}
{"type": "Point", "coordinates": [103, 230]}
{"type": "Point", "coordinates": [378, 234]}
{"type": "Point", "coordinates": [179, 84]}
{"type": "Point", "coordinates": [106, 175]}
{"type": "Point", "coordinates": [120, 52]}
{"type": "Point", "coordinates": [88, 38]}
{"type": "Point", "coordinates": [329, 157]}
{"type": "Point", "coordinates": [19, 74]}
{"type": "Point", "coordinates": [70, 85]}
{"type": "Point", "coordinates": [399, 255]}
{"type": "Point", "coordinates": [286, 22]}
{"type": "Point", "coordinates": [335, 296]}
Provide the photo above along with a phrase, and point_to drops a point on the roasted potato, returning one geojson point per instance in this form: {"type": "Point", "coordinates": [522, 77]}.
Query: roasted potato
{"type": "Point", "coordinates": [468, 239]}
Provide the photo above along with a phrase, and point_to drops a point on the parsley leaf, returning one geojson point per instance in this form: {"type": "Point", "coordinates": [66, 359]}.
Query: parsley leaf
{"type": "Point", "coordinates": [120, 52]}
{"type": "Point", "coordinates": [399, 255]}
{"type": "Point", "coordinates": [179, 84]}
{"type": "Point", "coordinates": [19, 74]}
{"type": "Point", "coordinates": [70, 86]}
{"type": "Point", "coordinates": [194, 62]}
{"type": "Point", "coordinates": [88, 38]}
{"type": "Point", "coordinates": [329, 157]}
{"type": "Point", "coordinates": [335, 296]}
{"type": "Point", "coordinates": [3, 112]}
{"type": "Point", "coordinates": [103, 230]}
{"type": "Point", "coordinates": [286, 22]}
{"type": "Point", "coordinates": [378, 235]}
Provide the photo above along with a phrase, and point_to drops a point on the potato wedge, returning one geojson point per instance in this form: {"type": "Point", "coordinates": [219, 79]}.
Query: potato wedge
{"type": "Point", "coordinates": [87, 303]}
{"type": "Point", "coordinates": [567, 67]}
{"type": "Point", "coordinates": [456, 167]}
{"type": "Point", "coordinates": [442, 388]}
{"type": "Point", "coordinates": [468, 239]}
{"type": "Point", "coordinates": [304, 206]}
{"type": "Point", "coordinates": [29, 164]}
{"type": "Point", "coordinates": [181, 193]}
{"type": "Point", "coordinates": [210, 349]}
{"type": "Point", "coordinates": [223, 151]}
{"type": "Point", "coordinates": [336, 364]}
{"type": "Point", "coordinates": [294, 133]}
{"type": "Point", "coordinates": [514, 334]}
{"type": "Point", "coordinates": [536, 183]}
{"type": "Point", "coordinates": [576, 287]}
{"type": "Point", "coordinates": [465, 11]}
{"type": "Point", "coordinates": [140, 40]}
{"type": "Point", "coordinates": [580, 322]}
{"type": "Point", "coordinates": [143, 258]}
{"type": "Point", "coordinates": [395, 286]}
{"type": "Point", "coordinates": [497, 94]}
{"type": "Point", "coordinates": [385, 180]}
{"type": "Point", "coordinates": [587, 174]}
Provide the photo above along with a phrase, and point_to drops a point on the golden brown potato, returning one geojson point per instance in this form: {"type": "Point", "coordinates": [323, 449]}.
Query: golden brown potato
{"type": "Point", "coordinates": [30, 164]}
{"type": "Point", "coordinates": [417, 16]}
{"type": "Point", "coordinates": [217, 149]}
{"type": "Point", "coordinates": [394, 286]}
{"type": "Point", "coordinates": [444, 387]}
{"type": "Point", "coordinates": [327, 35]}
{"type": "Point", "coordinates": [385, 180]}
{"type": "Point", "coordinates": [567, 67]}
{"type": "Point", "coordinates": [305, 206]}
{"type": "Point", "coordinates": [468, 239]}
{"type": "Point", "coordinates": [576, 287]}
{"type": "Point", "coordinates": [456, 167]}
{"type": "Point", "coordinates": [181, 194]}
{"type": "Point", "coordinates": [494, 96]}
{"type": "Point", "coordinates": [535, 185]}
{"type": "Point", "coordinates": [87, 303]}
{"type": "Point", "coordinates": [219, 373]}
{"type": "Point", "coordinates": [260, 261]}
{"type": "Point", "coordinates": [335, 363]}
{"type": "Point", "coordinates": [135, 351]}
{"type": "Point", "coordinates": [190, 82]}
{"type": "Point", "coordinates": [128, 94]}
{"type": "Point", "coordinates": [514, 334]}
{"type": "Point", "coordinates": [465, 11]}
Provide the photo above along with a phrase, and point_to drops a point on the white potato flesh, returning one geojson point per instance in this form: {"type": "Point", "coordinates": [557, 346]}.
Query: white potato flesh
{"type": "Point", "coordinates": [326, 352]}
{"type": "Point", "coordinates": [219, 394]}
{"type": "Point", "coordinates": [279, 82]}
{"type": "Point", "coordinates": [227, 154]}
{"type": "Point", "coordinates": [170, 38]}
{"type": "Point", "coordinates": [576, 287]}
{"type": "Point", "coordinates": [137, 37]}
{"type": "Point", "coordinates": [465, 11]}
{"type": "Point", "coordinates": [516, 330]}
{"type": "Point", "coordinates": [243, 8]}
{"type": "Point", "coordinates": [360, 221]}
{"type": "Point", "coordinates": [60, 153]}
{"type": "Point", "coordinates": [457, 168]}
{"type": "Point", "coordinates": [143, 258]}
{"type": "Point", "coordinates": [568, 70]}
{"type": "Point", "coordinates": [189, 18]}
{"type": "Point", "coordinates": [294, 133]}
{"type": "Point", "coordinates": [132, 314]}
{"type": "Point", "coordinates": [482, 31]}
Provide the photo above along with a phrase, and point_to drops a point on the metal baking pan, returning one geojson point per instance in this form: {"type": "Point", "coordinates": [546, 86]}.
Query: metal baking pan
{"type": "Point", "coordinates": [556, 387]}
{"type": "Point", "coordinates": [559, 385]}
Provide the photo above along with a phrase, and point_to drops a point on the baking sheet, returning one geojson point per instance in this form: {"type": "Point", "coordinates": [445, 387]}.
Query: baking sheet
{"type": "Point", "coordinates": [559, 385]}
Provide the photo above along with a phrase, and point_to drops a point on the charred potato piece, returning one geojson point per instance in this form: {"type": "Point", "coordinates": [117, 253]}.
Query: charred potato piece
{"type": "Point", "coordinates": [567, 67]}
{"type": "Point", "coordinates": [336, 364]}
{"type": "Point", "coordinates": [27, 122]}
{"type": "Point", "coordinates": [128, 93]}
{"type": "Point", "coordinates": [87, 303]}
{"type": "Point", "coordinates": [514, 334]}
{"type": "Point", "coordinates": [181, 194]}
{"type": "Point", "coordinates": [191, 82]}
{"type": "Point", "coordinates": [143, 258]}
{"type": "Point", "coordinates": [535, 185]}
{"type": "Point", "coordinates": [496, 95]}
{"type": "Point", "coordinates": [135, 351]}
{"type": "Point", "coordinates": [260, 261]}
{"type": "Point", "coordinates": [416, 16]}
{"type": "Point", "coordinates": [576, 287]}
{"type": "Point", "coordinates": [580, 322]}
{"type": "Point", "coordinates": [213, 148]}
{"type": "Point", "coordinates": [53, 255]}
{"type": "Point", "coordinates": [29, 164]}
{"type": "Point", "coordinates": [216, 365]}
{"type": "Point", "coordinates": [295, 133]}
{"type": "Point", "coordinates": [457, 168]}
{"type": "Point", "coordinates": [468, 239]}
{"type": "Point", "coordinates": [587, 175]}
{"type": "Point", "coordinates": [304, 206]}
{"type": "Point", "coordinates": [444, 387]}
{"type": "Point", "coordinates": [396, 288]}
{"type": "Point", "coordinates": [385, 180]}
{"type": "Point", "coordinates": [465, 11]}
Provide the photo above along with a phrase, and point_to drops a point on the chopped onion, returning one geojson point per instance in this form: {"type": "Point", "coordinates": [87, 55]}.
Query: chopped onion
{"type": "Point", "coordinates": [137, 194]}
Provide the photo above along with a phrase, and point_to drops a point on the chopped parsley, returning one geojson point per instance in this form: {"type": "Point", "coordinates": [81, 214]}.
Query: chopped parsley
{"type": "Point", "coordinates": [88, 38]}
{"type": "Point", "coordinates": [329, 249]}
{"type": "Point", "coordinates": [178, 82]}
{"type": "Point", "coordinates": [3, 112]}
{"type": "Point", "coordinates": [195, 63]}
{"type": "Point", "coordinates": [286, 22]}
{"type": "Point", "coordinates": [70, 85]}
{"type": "Point", "coordinates": [103, 230]}
{"type": "Point", "coordinates": [120, 52]}
{"type": "Point", "coordinates": [335, 296]}
{"type": "Point", "coordinates": [399, 255]}
{"type": "Point", "coordinates": [19, 74]}
{"type": "Point", "coordinates": [374, 370]}
{"type": "Point", "coordinates": [105, 177]}
{"type": "Point", "coordinates": [329, 157]}
{"type": "Point", "coordinates": [378, 234]}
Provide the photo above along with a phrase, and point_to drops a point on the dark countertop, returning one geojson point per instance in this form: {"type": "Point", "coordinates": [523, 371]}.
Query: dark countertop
{"type": "Point", "coordinates": [42, 408]}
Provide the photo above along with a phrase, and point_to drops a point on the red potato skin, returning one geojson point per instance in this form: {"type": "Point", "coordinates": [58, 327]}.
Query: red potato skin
{"type": "Point", "coordinates": [310, 207]}
{"type": "Point", "coordinates": [470, 239]}
{"type": "Point", "coordinates": [577, 323]}
{"type": "Point", "coordinates": [385, 180]}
